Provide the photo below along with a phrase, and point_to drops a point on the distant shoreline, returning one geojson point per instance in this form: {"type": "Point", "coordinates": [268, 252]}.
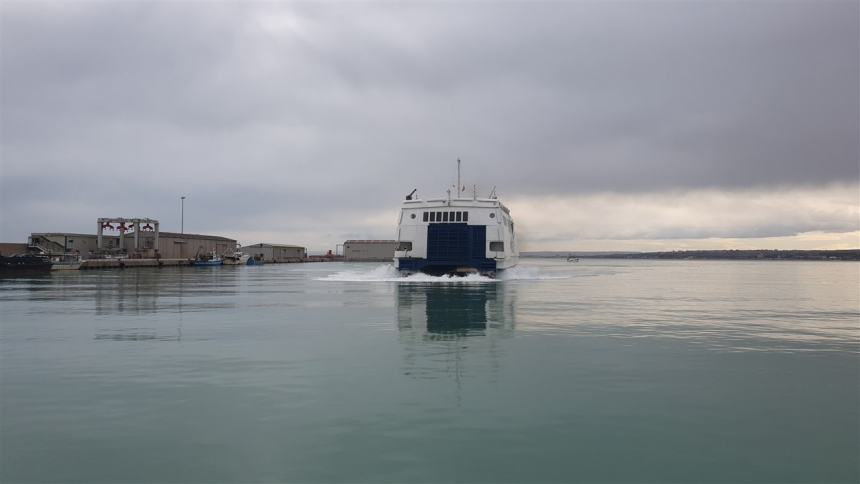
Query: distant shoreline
{"type": "Point", "coordinates": [758, 254]}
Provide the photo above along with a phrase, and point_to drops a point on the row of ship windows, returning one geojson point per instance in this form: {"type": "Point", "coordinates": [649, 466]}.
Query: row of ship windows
{"type": "Point", "coordinates": [445, 216]}
{"type": "Point", "coordinates": [406, 246]}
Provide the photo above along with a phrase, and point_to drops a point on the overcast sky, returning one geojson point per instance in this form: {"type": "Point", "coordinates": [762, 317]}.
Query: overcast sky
{"type": "Point", "coordinates": [620, 125]}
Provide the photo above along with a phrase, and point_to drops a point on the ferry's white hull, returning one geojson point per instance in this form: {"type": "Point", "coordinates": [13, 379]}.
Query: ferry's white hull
{"type": "Point", "coordinates": [507, 262]}
{"type": "Point", "coordinates": [458, 236]}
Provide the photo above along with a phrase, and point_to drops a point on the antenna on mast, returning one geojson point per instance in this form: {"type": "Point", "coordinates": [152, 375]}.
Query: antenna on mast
{"type": "Point", "coordinates": [459, 189]}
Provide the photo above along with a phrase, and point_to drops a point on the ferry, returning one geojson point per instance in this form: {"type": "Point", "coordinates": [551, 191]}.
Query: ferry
{"type": "Point", "coordinates": [456, 235]}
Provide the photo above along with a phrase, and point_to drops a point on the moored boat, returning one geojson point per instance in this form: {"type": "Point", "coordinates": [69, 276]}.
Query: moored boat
{"type": "Point", "coordinates": [24, 263]}
{"type": "Point", "coordinates": [211, 259]}
{"type": "Point", "coordinates": [66, 262]}
{"type": "Point", "coordinates": [236, 258]}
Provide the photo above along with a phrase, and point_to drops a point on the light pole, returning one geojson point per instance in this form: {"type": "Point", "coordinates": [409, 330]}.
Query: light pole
{"type": "Point", "coordinates": [182, 215]}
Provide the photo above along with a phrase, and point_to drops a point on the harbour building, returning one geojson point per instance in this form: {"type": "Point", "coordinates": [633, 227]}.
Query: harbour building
{"type": "Point", "coordinates": [164, 245]}
{"type": "Point", "coordinates": [369, 250]}
{"type": "Point", "coordinates": [275, 252]}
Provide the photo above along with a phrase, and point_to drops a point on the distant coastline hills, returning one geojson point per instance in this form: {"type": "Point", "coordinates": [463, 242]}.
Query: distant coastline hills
{"type": "Point", "coordinates": [758, 254]}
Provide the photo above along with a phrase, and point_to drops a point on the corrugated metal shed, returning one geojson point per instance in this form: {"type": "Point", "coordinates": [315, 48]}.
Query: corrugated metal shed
{"type": "Point", "coordinates": [276, 252]}
{"type": "Point", "coordinates": [369, 250]}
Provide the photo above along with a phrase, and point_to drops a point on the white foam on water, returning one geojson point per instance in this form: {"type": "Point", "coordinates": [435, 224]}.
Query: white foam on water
{"type": "Point", "coordinates": [383, 273]}
{"type": "Point", "coordinates": [387, 273]}
{"type": "Point", "coordinates": [525, 273]}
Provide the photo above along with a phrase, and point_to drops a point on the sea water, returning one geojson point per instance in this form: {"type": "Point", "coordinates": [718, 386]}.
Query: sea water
{"type": "Point", "coordinates": [599, 371]}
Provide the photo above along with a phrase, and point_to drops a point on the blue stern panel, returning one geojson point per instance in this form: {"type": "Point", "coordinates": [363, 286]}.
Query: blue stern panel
{"type": "Point", "coordinates": [450, 247]}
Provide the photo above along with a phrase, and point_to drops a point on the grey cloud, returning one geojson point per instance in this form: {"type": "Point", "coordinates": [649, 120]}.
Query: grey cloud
{"type": "Point", "coordinates": [353, 105]}
{"type": "Point", "coordinates": [693, 214]}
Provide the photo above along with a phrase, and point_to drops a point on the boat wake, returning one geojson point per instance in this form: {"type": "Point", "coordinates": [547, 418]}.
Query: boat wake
{"type": "Point", "coordinates": [524, 273]}
{"type": "Point", "coordinates": [387, 273]}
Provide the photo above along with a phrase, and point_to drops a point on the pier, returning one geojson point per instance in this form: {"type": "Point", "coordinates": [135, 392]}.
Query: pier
{"type": "Point", "coordinates": [123, 242]}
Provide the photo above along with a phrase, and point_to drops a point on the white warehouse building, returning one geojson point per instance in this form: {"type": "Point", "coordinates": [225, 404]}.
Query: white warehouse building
{"type": "Point", "coordinates": [369, 250]}
{"type": "Point", "coordinates": [275, 252]}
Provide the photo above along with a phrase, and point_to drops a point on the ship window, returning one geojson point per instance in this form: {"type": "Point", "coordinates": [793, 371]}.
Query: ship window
{"type": "Point", "coordinates": [404, 246]}
{"type": "Point", "coordinates": [497, 246]}
{"type": "Point", "coordinates": [465, 216]}
{"type": "Point", "coordinates": [412, 216]}
{"type": "Point", "coordinates": [432, 216]}
{"type": "Point", "coordinates": [444, 216]}
{"type": "Point", "coordinates": [451, 216]}
{"type": "Point", "coordinates": [492, 215]}
{"type": "Point", "coordinates": [438, 216]}
{"type": "Point", "coordinates": [425, 216]}
{"type": "Point", "coordinates": [459, 216]}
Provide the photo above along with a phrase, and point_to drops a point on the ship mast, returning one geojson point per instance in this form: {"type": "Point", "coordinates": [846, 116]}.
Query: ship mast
{"type": "Point", "coordinates": [458, 178]}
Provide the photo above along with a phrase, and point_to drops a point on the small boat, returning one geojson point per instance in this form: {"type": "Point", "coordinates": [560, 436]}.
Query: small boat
{"type": "Point", "coordinates": [211, 259]}
{"type": "Point", "coordinates": [571, 258]}
{"type": "Point", "coordinates": [236, 258]}
{"type": "Point", "coordinates": [457, 235]}
{"type": "Point", "coordinates": [66, 262]}
{"type": "Point", "coordinates": [257, 260]}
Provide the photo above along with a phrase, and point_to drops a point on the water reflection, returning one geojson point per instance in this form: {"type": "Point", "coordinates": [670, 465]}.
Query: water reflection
{"type": "Point", "coordinates": [160, 290]}
{"type": "Point", "coordinates": [443, 312]}
{"type": "Point", "coordinates": [127, 291]}
{"type": "Point", "coordinates": [133, 291]}
{"type": "Point", "coordinates": [24, 277]}
{"type": "Point", "coordinates": [454, 330]}
{"type": "Point", "coordinates": [136, 334]}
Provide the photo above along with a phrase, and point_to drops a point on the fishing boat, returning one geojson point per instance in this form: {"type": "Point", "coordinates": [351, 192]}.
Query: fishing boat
{"type": "Point", "coordinates": [210, 259]}
{"type": "Point", "coordinates": [236, 258]}
{"type": "Point", "coordinates": [456, 235]}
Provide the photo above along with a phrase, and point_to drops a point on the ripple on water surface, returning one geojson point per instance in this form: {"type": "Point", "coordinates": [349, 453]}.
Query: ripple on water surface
{"type": "Point", "coordinates": [689, 370]}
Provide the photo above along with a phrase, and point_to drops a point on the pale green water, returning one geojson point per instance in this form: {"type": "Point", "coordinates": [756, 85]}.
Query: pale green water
{"type": "Point", "coordinates": [630, 371]}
